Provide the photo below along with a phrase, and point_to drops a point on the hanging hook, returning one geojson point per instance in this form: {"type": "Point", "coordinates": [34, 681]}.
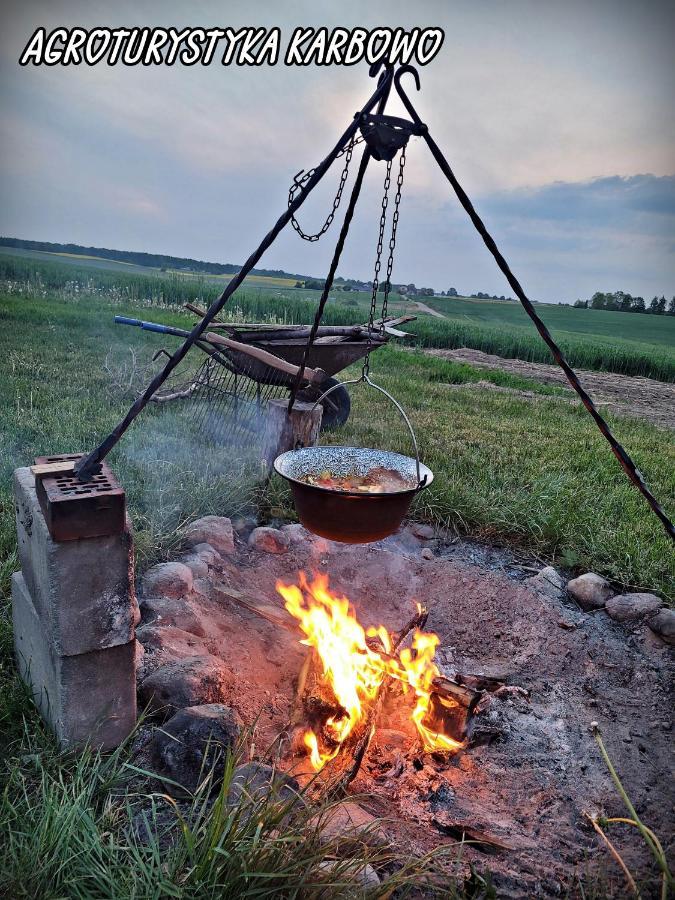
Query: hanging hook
{"type": "Point", "coordinates": [409, 70]}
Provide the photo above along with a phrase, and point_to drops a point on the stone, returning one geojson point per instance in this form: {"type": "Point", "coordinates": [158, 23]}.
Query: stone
{"type": "Point", "coordinates": [590, 591]}
{"type": "Point", "coordinates": [206, 553]}
{"type": "Point", "coordinates": [364, 876]}
{"type": "Point", "coordinates": [548, 582]}
{"type": "Point", "coordinates": [297, 534]}
{"type": "Point", "coordinates": [171, 579]}
{"type": "Point", "coordinates": [632, 607]}
{"type": "Point", "coordinates": [214, 530]}
{"type": "Point", "coordinates": [255, 781]}
{"type": "Point", "coordinates": [87, 698]}
{"type": "Point", "coordinates": [269, 540]}
{"type": "Point", "coordinates": [193, 745]}
{"type": "Point", "coordinates": [348, 823]}
{"type": "Point", "coordinates": [169, 643]}
{"type": "Point", "coordinates": [192, 681]}
{"type": "Point", "coordinates": [177, 612]}
{"type": "Point", "coordinates": [198, 566]}
{"type": "Point", "coordinates": [422, 531]}
{"type": "Point", "coordinates": [663, 624]}
{"type": "Point", "coordinates": [83, 590]}
{"type": "Point", "coordinates": [427, 553]}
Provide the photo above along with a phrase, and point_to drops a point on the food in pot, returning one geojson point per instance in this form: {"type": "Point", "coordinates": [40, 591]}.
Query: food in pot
{"type": "Point", "coordinates": [379, 480]}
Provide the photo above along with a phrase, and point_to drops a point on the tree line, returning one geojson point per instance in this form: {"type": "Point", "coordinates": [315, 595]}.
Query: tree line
{"type": "Point", "coordinates": [619, 301]}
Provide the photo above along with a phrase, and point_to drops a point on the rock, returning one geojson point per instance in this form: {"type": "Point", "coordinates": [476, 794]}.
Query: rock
{"type": "Point", "coordinates": [548, 582]}
{"type": "Point", "coordinates": [348, 823]}
{"type": "Point", "coordinates": [269, 540]}
{"type": "Point", "coordinates": [663, 624]}
{"type": "Point", "coordinates": [179, 613]}
{"type": "Point", "coordinates": [171, 579]}
{"type": "Point", "coordinates": [214, 530]}
{"type": "Point", "coordinates": [590, 591]}
{"type": "Point", "coordinates": [632, 607]}
{"type": "Point", "coordinates": [171, 643]}
{"type": "Point", "coordinates": [296, 533]}
{"type": "Point", "coordinates": [255, 781]}
{"type": "Point", "coordinates": [362, 874]}
{"type": "Point", "coordinates": [206, 553]}
{"type": "Point", "coordinates": [193, 744]}
{"type": "Point", "coordinates": [198, 566]}
{"type": "Point", "coordinates": [423, 532]}
{"type": "Point", "coordinates": [187, 682]}
{"type": "Point", "coordinates": [427, 553]}
{"type": "Point", "coordinates": [244, 524]}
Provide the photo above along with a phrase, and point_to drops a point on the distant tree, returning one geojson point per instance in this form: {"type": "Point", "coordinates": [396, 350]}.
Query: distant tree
{"type": "Point", "coordinates": [299, 284]}
{"type": "Point", "coordinates": [598, 300]}
{"type": "Point", "coordinates": [412, 290]}
{"type": "Point", "coordinates": [403, 290]}
{"type": "Point", "coordinates": [661, 306]}
{"type": "Point", "coordinates": [626, 303]}
{"type": "Point", "coordinates": [502, 297]}
{"type": "Point", "coordinates": [671, 307]}
{"type": "Point", "coordinates": [347, 286]}
{"type": "Point", "coordinates": [654, 306]}
{"type": "Point", "coordinates": [638, 305]}
{"type": "Point", "coordinates": [452, 292]}
{"type": "Point", "coordinates": [581, 304]}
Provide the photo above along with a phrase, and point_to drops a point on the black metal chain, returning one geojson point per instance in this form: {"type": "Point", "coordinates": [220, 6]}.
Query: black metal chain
{"type": "Point", "coordinates": [392, 239]}
{"type": "Point", "coordinates": [378, 266]}
{"type": "Point", "coordinates": [303, 177]}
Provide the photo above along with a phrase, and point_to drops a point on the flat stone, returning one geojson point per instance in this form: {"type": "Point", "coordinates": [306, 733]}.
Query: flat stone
{"type": "Point", "coordinates": [422, 531]}
{"type": "Point", "coordinates": [83, 590]}
{"type": "Point", "coordinates": [548, 582]}
{"type": "Point", "coordinates": [177, 612]}
{"type": "Point", "coordinates": [214, 530]}
{"type": "Point", "coordinates": [171, 579]}
{"type": "Point", "coordinates": [255, 781]}
{"type": "Point", "coordinates": [663, 624]}
{"type": "Point", "coordinates": [187, 682]}
{"type": "Point", "coordinates": [427, 553]}
{"type": "Point", "coordinates": [88, 698]}
{"type": "Point", "coordinates": [632, 607]}
{"type": "Point", "coordinates": [269, 540]}
{"type": "Point", "coordinates": [590, 591]}
{"type": "Point", "coordinates": [193, 745]}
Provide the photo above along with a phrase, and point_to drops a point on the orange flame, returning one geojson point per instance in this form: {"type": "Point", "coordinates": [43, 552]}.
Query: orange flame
{"type": "Point", "coordinates": [354, 669]}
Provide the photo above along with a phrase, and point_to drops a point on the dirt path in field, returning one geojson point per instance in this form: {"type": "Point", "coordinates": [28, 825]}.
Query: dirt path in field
{"type": "Point", "coordinates": [422, 307]}
{"type": "Point", "coordinates": [642, 398]}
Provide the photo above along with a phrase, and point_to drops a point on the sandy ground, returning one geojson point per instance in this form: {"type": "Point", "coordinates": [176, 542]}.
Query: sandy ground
{"type": "Point", "coordinates": [530, 787]}
{"type": "Point", "coordinates": [642, 398]}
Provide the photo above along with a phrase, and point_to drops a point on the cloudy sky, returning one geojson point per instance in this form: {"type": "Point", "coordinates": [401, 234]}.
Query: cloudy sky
{"type": "Point", "coordinates": [556, 116]}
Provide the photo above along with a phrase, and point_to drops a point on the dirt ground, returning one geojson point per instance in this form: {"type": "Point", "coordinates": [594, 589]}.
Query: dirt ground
{"type": "Point", "coordinates": [642, 398]}
{"type": "Point", "coordinates": [532, 786]}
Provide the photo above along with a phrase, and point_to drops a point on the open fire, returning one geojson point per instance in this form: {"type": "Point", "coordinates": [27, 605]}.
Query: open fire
{"type": "Point", "coordinates": [355, 663]}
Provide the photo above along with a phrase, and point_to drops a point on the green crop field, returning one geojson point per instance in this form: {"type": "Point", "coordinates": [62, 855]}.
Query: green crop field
{"type": "Point", "coordinates": [625, 343]}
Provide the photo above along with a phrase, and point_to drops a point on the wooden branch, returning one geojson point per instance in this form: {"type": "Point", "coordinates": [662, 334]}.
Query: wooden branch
{"type": "Point", "coordinates": [315, 376]}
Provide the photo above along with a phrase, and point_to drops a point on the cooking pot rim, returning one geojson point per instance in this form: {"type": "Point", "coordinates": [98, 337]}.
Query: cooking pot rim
{"type": "Point", "coordinates": [425, 472]}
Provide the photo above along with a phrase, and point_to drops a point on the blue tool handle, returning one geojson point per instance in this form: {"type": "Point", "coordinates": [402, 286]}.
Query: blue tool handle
{"type": "Point", "coordinates": [125, 320]}
{"type": "Point", "coordinates": [155, 326]}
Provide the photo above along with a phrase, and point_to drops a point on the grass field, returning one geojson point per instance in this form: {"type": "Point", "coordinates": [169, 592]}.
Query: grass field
{"type": "Point", "coordinates": [614, 342]}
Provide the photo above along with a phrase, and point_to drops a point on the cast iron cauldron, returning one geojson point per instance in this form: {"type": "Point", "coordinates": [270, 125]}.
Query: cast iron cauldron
{"type": "Point", "coordinates": [349, 516]}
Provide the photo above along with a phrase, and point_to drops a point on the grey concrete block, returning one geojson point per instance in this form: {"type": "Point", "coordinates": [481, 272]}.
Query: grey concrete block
{"type": "Point", "coordinates": [83, 590]}
{"type": "Point", "coordinates": [89, 698]}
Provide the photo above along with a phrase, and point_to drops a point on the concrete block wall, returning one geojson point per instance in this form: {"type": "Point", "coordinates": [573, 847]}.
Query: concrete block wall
{"type": "Point", "coordinates": [74, 612]}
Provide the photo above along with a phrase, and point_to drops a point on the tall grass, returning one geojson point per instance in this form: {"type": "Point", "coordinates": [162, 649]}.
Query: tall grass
{"type": "Point", "coordinates": [38, 279]}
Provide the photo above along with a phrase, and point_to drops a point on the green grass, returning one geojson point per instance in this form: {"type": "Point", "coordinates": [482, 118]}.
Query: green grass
{"type": "Point", "coordinates": [614, 342]}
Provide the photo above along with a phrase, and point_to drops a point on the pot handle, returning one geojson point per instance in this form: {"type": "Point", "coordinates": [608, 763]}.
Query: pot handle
{"type": "Point", "coordinates": [420, 481]}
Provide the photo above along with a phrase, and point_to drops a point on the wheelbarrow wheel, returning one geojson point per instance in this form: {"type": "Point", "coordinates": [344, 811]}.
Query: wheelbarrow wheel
{"type": "Point", "coordinates": [336, 407]}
